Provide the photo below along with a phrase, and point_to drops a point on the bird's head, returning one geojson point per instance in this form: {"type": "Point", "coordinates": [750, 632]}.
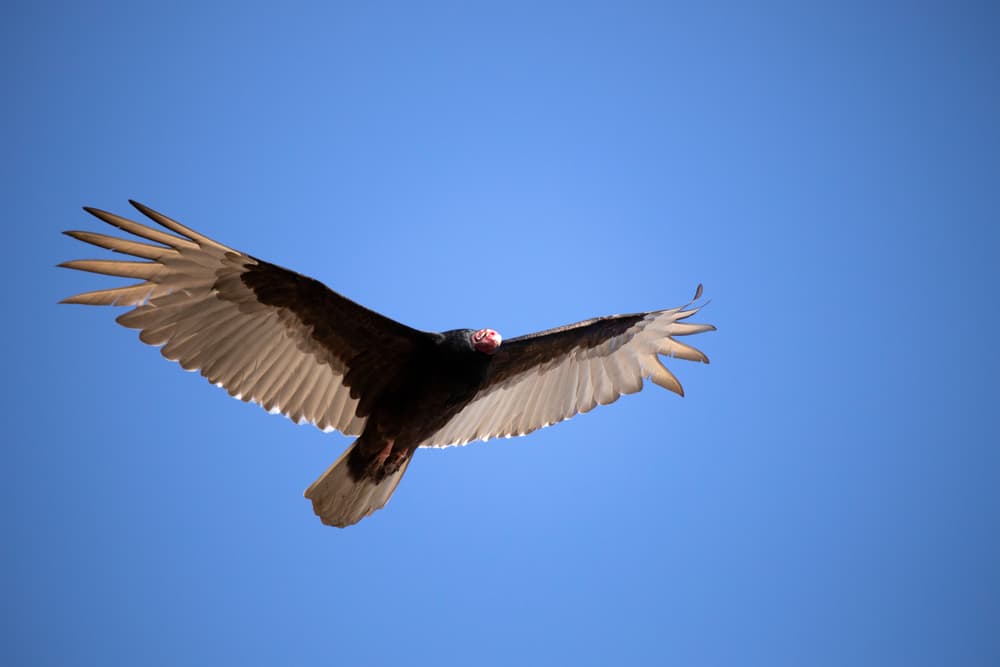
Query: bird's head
{"type": "Point", "coordinates": [485, 340]}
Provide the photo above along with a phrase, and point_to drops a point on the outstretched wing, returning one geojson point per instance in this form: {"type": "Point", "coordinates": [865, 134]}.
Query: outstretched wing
{"type": "Point", "coordinates": [550, 376]}
{"type": "Point", "coordinates": [266, 334]}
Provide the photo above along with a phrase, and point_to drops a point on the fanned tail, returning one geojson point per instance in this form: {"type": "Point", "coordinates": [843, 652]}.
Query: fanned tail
{"type": "Point", "coordinates": [342, 497]}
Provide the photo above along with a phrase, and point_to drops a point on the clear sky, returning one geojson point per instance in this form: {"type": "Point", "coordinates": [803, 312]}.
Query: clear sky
{"type": "Point", "coordinates": [827, 492]}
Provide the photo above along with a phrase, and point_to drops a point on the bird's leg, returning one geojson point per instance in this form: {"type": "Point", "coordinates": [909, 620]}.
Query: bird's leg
{"type": "Point", "coordinates": [397, 459]}
{"type": "Point", "coordinates": [386, 461]}
{"type": "Point", "coordinates": [368, 459]}
{"type": "Point", "coordinates": [383, 454]}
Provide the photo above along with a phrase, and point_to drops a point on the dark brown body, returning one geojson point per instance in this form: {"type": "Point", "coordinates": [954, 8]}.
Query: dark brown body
{"type": "Point", "coordinates": [425, 393]}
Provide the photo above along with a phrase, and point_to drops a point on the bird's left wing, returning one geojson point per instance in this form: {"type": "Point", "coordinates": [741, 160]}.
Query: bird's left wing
{"type": "Point", "coordinates": [266, 334]}
{"type": "Point", "coordinates": [547, 377]}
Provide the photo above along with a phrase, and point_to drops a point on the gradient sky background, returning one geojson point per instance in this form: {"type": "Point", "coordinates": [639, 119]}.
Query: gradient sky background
{"type": "Point", "coordinates": [827, 493]}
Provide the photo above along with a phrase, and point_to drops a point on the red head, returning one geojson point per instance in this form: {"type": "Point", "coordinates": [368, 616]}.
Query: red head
{"type": "Point", "coordinates": [486, 340]}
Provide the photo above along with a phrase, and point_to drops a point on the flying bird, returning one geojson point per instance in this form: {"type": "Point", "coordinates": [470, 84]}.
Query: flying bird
{"type": "Point", "coordinates": [275, 337]}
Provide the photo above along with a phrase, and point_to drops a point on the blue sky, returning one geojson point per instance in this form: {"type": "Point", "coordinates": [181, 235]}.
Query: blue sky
{"type": "Point", "coordinates": [826, 494]}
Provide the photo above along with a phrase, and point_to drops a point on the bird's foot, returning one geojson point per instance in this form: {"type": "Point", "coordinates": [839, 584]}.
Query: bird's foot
{"type": "Point", "coordinates": [376, 469]}
{"type": "Point", "coordinates": [382, 455]}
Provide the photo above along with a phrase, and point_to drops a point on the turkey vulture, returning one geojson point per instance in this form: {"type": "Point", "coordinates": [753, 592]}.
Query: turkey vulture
{"type": "Point", "coordinates": [275, 337]}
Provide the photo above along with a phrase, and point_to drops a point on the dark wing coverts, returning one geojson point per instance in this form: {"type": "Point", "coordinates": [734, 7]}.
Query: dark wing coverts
{"type": "Point", "coordinates": [266, 334]}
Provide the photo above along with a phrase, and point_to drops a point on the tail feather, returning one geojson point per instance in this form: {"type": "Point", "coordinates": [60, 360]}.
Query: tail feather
{"type": "Point", "coordinates": [341, 500]}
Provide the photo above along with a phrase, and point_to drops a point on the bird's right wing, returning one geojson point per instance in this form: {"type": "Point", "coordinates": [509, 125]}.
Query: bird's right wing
{"type": "Point", "coordinates": [266, 334]}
